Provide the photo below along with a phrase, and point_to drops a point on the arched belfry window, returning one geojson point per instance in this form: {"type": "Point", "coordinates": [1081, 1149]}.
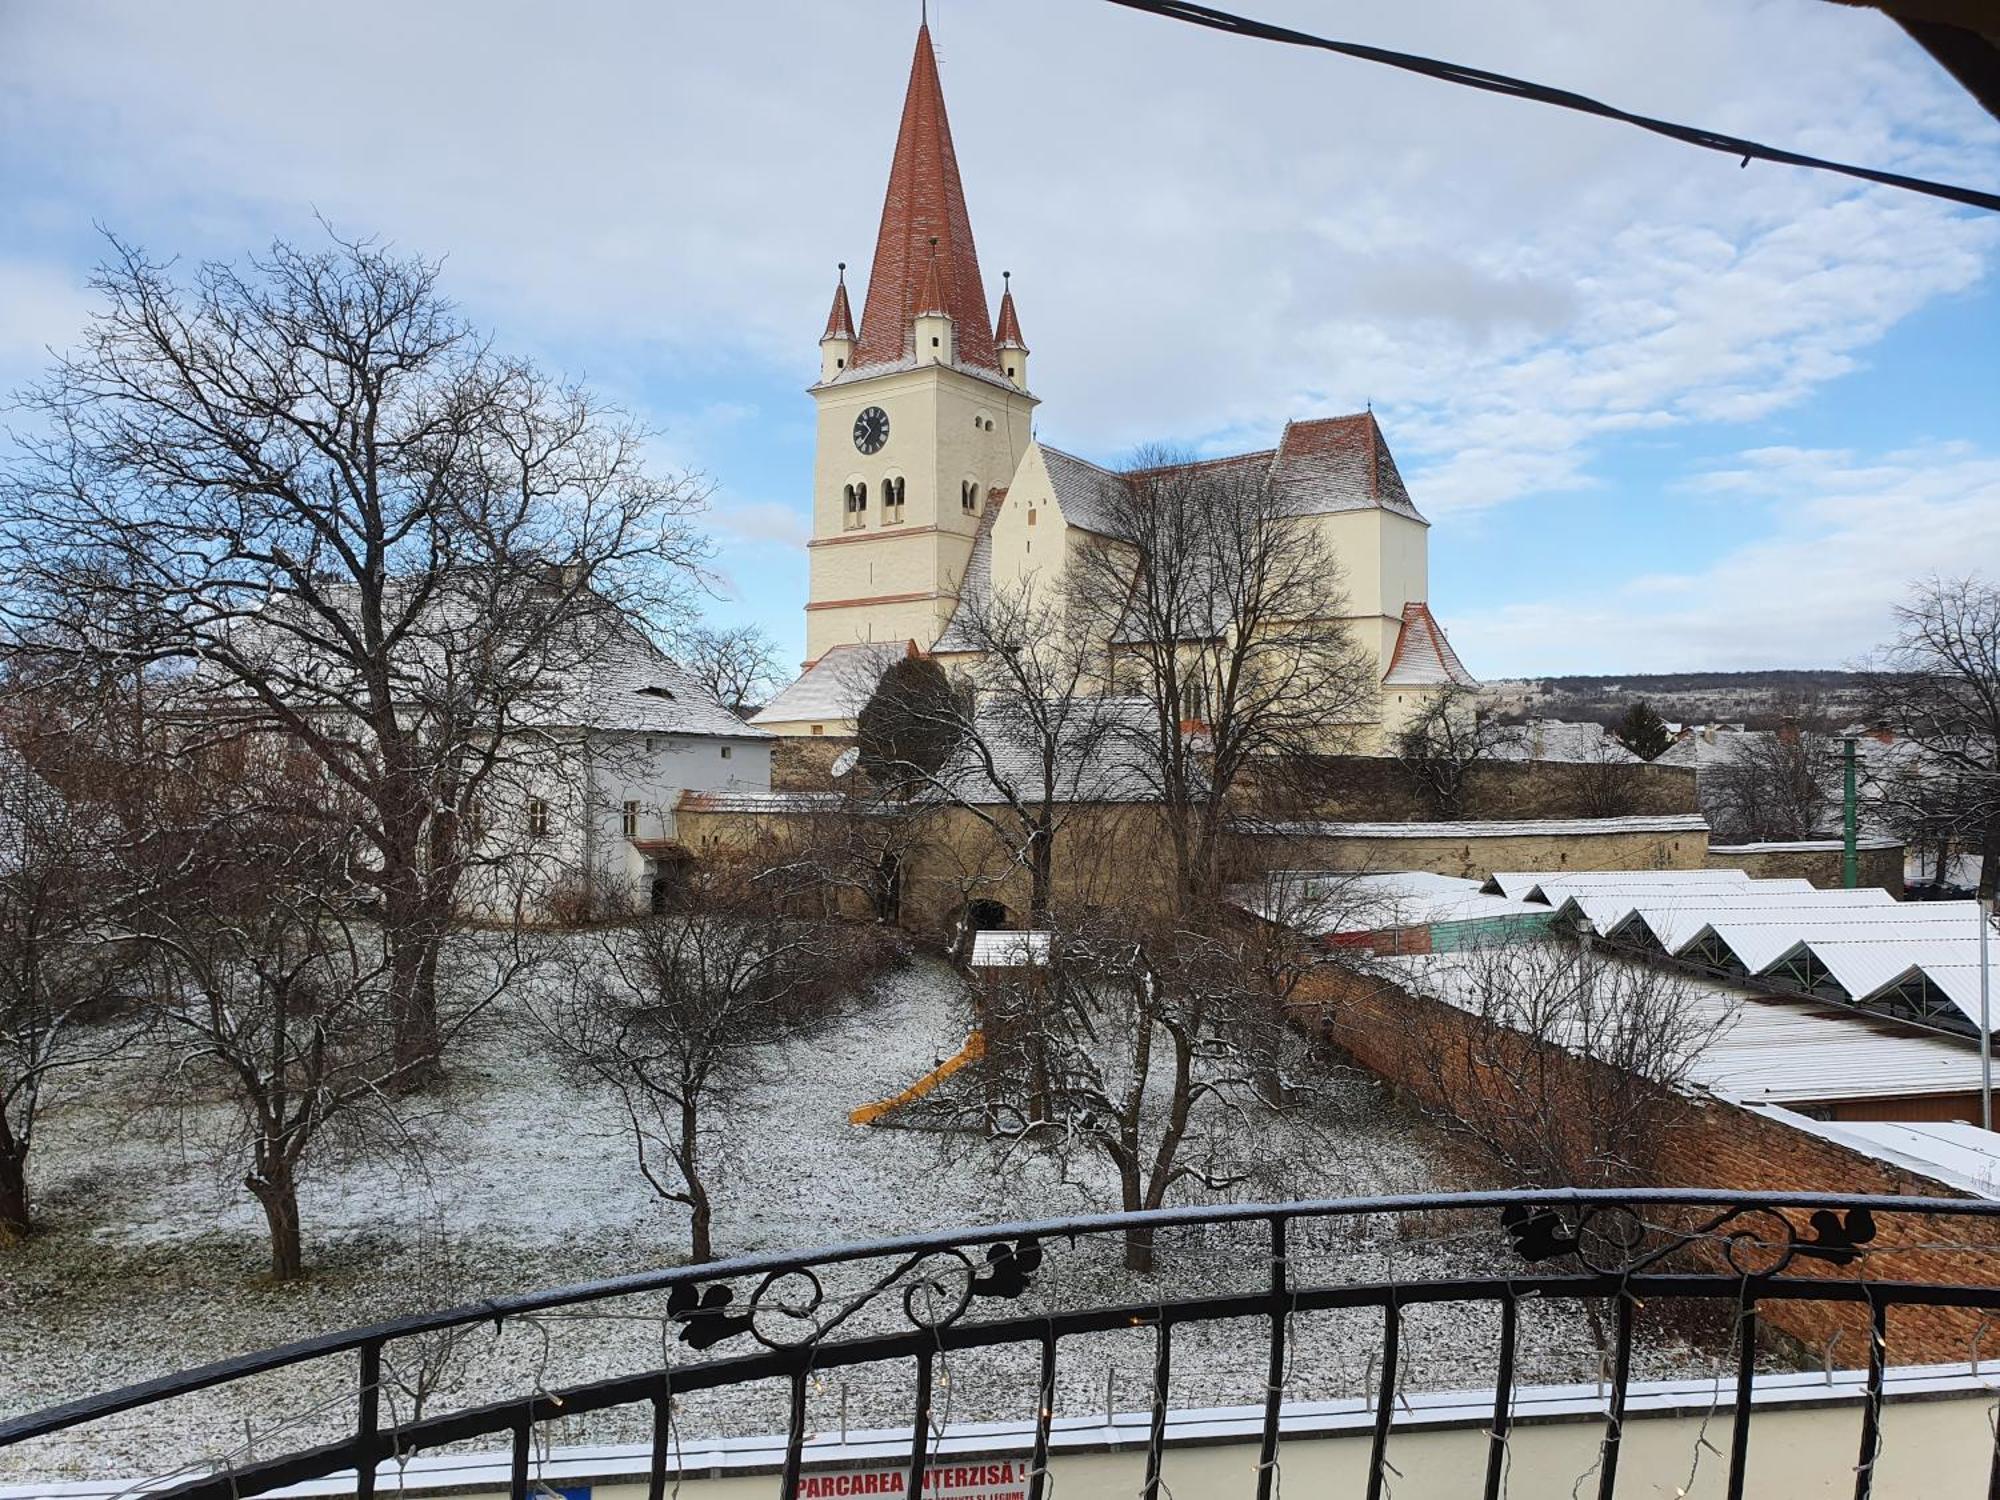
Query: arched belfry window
{"type": "Point", "coordinates": [892, 500]}
{"type": "Point", "coordinates": [854, 501]}
{"type": "Point", "coordinates": [968, 495]}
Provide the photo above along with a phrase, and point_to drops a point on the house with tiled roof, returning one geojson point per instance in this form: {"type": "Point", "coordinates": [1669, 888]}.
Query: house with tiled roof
{"type": "Point", "coordinates": [930, 485]}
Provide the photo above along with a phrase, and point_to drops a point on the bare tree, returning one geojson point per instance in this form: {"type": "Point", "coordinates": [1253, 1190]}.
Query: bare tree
{"type": "Point", "coordinates": [1602, 778]}
{"type": "Point", "coordinates": [1443, 744]}
{"type": "Point", "coordinates": [737, 663]}
{"type": "Point", "coordinates": [60, 886]}
{"type": "Point", "coordinates": [1030, 742]}
{"type": "Point", "coordinates": [1556, 1060]}
{"type": "Point", "coordinates": [312, 480]}
{"type": "Point", "coordinates": [1153, 1047]}
{"type": "Point", "coordinates": [1782, 784]}
{"type": "Point", "coordinates": [271, 977]}
{"type": "Point", "coordinates": [1939, 687]}
{"type": "Point", "coordinates": [686, 1010]}
{"type": "Point", "coordinates": [1223, 611]}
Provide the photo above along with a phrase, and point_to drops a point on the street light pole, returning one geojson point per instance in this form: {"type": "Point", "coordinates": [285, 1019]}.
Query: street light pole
{"type": "Point", "coordinates": [1985, 908]}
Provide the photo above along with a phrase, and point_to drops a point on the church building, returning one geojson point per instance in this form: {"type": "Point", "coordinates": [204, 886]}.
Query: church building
{"type": "Point", "coordinates": [929, 481]}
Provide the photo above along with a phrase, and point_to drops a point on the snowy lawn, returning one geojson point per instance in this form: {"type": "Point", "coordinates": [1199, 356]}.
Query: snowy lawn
{"type": "Point", "coordinates": [152, 1256]}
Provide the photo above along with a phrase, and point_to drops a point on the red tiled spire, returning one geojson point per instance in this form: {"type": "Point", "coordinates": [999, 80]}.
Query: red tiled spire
{"type": "Point", "coordinates": [925, 199]}
{"type": "Point", "coordinates": [840, 321]}
{"type": "Point", "coordinates": [1008, 334]}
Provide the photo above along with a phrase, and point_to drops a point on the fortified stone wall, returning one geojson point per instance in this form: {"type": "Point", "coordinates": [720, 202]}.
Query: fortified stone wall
{"type": "Point", "coordinates": [1377, 789]}
{"type": "Point", "coordinates": [1469, 856]}
{"type": "Point", "coordinates": [1881, 862]}
{"type": "Point", "coordinates": [1427, 1049]}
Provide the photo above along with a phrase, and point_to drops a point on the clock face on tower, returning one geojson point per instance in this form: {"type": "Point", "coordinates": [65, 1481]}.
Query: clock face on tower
{"type": "Point", "coordinates": [871, 429]}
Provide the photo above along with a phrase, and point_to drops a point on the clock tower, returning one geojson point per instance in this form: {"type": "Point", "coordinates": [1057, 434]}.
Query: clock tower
{"type": "Point", "coordinates": [923, 413]}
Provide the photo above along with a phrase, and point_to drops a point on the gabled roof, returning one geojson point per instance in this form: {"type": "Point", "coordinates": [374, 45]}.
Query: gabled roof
{"type": "Point", "coordinates": [978, 579]}
{"type": "Point", "coordinates": [1320, 467]}
{"type": "Point", "coordinates": [1339, 463]}
{"type": "Point", "coordinates": [1423, 657]}
{"type": "Point", "coordinates": [604, 673]}
{"type": "Point", "coordinates": [836, 686]}
{"type": "Point", "coordinates": [925, 201]}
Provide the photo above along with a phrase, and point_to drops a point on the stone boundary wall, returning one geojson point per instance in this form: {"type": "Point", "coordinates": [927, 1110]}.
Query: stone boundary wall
{"type": "Point", "coordinates": [1376, 788]}
{"type": "Point", "coordinates": [1818, 861]}
{"type": "Point", "coordinates": [1474, 857]}
{"type": "Point", "coordinates": [1413, 1042]}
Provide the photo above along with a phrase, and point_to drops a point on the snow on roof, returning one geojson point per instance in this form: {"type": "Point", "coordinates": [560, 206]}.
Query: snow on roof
{"type": "Point", "coordinates": [1874, 948]}
{"type": "Point", "coordinates": [835, 687]}
{"type": "Point", "coordinates": [1519, 883]}
{"type": "Point", "coordinates": [1321, 466]}
{"type": "Point", "coordinates": [1423, 657]}
{"type": "Point", "coordinates": [978, 579]}
{"type": "Point", "coordinates": [743, 800]}
{"type": "Point", "coordinates": [1328, 903]}
{"type": "Point", "coordinates": [1806, 846]}
{"type": "Point", "coordinates": [1498, 828]}
{"type": "Point", "coordinates": [1954, 1152]}
{"type": "Point", "coordinates": [1000, 949]}
{"type": "Point", "coordinates": [1768, 1049]}
{"type": "Point", "coordinates": [1582, 743]}
{"type": "Point", "coordinates": [604, 673]}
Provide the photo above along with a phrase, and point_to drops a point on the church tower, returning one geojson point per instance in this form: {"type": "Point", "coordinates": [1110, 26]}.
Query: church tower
{"type": "Point", "coordinates": [923, 412]}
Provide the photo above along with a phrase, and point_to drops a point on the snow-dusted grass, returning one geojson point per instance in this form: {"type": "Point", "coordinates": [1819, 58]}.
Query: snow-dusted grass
{"type": "Point", "coordinates": [152, 1256]}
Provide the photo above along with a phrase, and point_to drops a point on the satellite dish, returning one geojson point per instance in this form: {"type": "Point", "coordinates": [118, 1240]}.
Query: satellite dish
{"type": "Point", "coordinates": [846, 760]}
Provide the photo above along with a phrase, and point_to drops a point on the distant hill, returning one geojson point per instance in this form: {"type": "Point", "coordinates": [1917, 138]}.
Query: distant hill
{"type": "Point", "coordinates": [1699, 696]}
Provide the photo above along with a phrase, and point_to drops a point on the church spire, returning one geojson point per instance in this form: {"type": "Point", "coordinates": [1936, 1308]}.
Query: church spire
{"type": "Point", "coordinates": [924, 205]}
{"type": "Point", "coordinates": [840, 320]}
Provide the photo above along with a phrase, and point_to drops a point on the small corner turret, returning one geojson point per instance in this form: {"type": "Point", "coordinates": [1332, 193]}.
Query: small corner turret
{"type": "Point", "coordinates": [836, 345]}
{"type": "Point", "coordinates": [1013, 349]}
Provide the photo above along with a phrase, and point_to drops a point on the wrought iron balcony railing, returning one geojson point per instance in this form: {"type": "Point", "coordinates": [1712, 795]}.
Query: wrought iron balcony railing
{"type": "Point", "coordinates": [1806, 1263]}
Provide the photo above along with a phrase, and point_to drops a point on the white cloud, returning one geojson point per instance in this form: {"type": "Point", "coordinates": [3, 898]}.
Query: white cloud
{"type": "Point", "coordinates": [1210, 235]}
{"type": "Point", "coordinates": [1848, 534]}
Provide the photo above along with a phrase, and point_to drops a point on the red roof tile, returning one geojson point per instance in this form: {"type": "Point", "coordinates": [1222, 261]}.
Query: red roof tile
{"type": "Point", "coordinates": [839, 321]}
{"type": "Point", "coordinates": [1008, 334]}
{"type": "Point", "coordinates": [925, 200]}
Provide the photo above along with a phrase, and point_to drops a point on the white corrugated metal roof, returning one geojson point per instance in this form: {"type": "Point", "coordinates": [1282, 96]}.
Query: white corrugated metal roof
{"type": "Point", "coordinates": [1325, 903]}
{"type": "Point", "coordinates": [1774, 1050]}
{"type": "Point", "coordinates": [1519, 883]}
{"type": "Point", "coordinates": [1953, 1152]}
{"type": "Point", "coordinates": [1869, 942]}
{"type": "Point", "coordinates": [998, 948]}
{"type": "Point", "coordinates": [1675, 924]}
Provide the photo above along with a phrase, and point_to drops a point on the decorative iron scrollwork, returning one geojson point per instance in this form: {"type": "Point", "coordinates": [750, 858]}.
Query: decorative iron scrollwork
{"type": "Point", "coordinates": [1538, 1234]}
{"type": "Point", "coordinates": [790, 1307]}
{"type": "Point", "coordinates": [1612, 1239]}
{"type": "Point", "coordinates": [1009, 1269]}
{"type": "Point", "coordinates": [704, 1321]}
{"type": "Point", "coordinates": [1838, 1238]}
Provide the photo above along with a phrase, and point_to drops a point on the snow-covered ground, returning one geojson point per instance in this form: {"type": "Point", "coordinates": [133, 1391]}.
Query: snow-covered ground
{"type": "Point", "coordinates": [152, 1257]}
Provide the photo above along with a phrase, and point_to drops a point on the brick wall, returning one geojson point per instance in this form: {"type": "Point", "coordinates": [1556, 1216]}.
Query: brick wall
{"type": "Point", "coordinates": [1707, 1144]}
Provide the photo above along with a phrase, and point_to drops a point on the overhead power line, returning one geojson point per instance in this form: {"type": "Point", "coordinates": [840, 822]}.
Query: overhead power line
{"type": "Point", "coordinates": [1519, 88]}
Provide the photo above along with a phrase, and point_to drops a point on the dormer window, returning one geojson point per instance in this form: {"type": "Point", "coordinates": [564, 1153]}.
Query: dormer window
{"type": "Point", "coordinates": [658, 692]}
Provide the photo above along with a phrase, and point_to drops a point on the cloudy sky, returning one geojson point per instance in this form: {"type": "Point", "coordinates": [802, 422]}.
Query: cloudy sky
{"type": "Point", "coordinates": [1664, 412]}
